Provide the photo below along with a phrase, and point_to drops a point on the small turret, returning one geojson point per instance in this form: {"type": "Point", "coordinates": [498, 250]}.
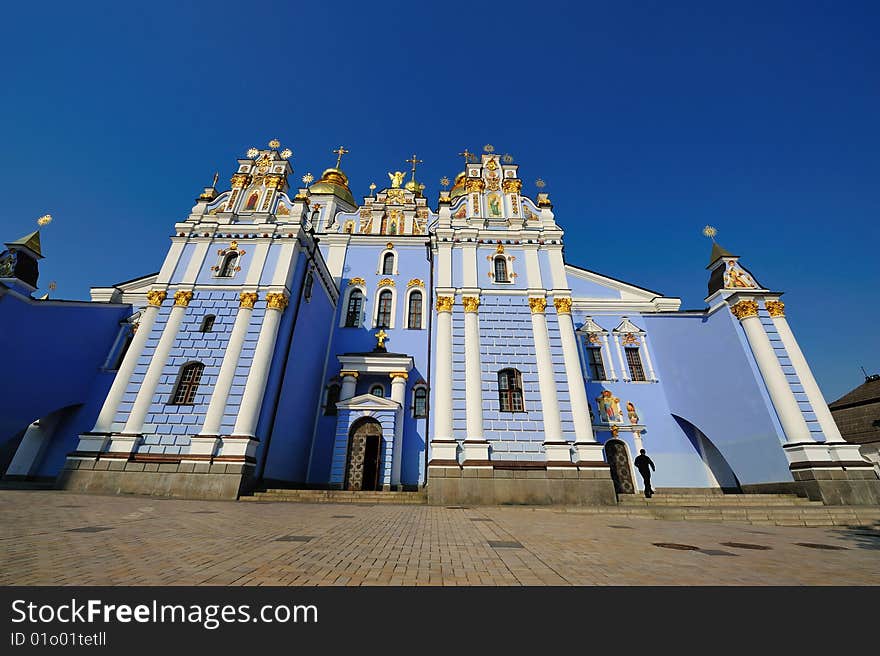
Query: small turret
{"type": "Point", "coordinates": [19, 263]}
{"type": "Point", "coordinates": [726, 273]}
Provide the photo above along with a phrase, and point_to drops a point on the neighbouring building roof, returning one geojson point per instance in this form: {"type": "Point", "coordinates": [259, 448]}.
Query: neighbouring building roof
{"type": "Point", "coordinates": [857, 413]}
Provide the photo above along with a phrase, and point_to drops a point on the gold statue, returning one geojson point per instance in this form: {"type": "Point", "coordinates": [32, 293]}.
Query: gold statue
{"type": "Point", "coordinates": [396, 179]}
{"type": "Point", "coordinates": [381, 336]}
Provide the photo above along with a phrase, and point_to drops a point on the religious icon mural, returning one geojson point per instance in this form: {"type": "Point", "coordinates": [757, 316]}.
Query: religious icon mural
{"type": "Point", "coordinates": [735, 277]}
{"type": "Point", "coordinates": [252, 201]}
{"type": "Point", "coordinates": [609, 407]}
{"type": "Point", "coordinates": [631, 413]}
{"type": "Point", "coordinates": [462, 211]}
{"type": "Point", "coordinates": [494, 205]}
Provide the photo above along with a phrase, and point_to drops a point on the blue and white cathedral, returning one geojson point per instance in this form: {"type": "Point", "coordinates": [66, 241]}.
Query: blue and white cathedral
{"type": "Point", "coordinates": [299, 338]}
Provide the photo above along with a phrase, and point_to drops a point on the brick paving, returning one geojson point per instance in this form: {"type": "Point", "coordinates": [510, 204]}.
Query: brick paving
{"type": "Point", "coordinates": [148, 541]}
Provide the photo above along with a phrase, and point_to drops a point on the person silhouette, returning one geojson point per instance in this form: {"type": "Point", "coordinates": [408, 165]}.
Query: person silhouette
{"type": "Point", "coordinates": [644, 464]}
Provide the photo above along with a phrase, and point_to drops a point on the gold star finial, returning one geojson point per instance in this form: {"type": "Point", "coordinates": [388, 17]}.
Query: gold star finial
{"type": "Point", "coordinates": [287, 153]}
{"type": "Point", "coordinates": [444, 181]}
{"type": "Point", "coordinates": [381, 336]}
{"type": "Point", "coordinates": [274, 144]}
{"type": "Point", "coordinates": [372, 187]}
{"type": "Point", "coordinates": [507, 158]}
{"type": "Point", "coordinates": [710, 232]}
{"type": "Point", "coordinates": [44, 220]}
{"type": "Point", "coordinates": [307, 178]}
{"type": "Point", "coordinates": [340, 152]}
{"type": "Point", "coordinates": [540, 184]}
{"type": "Point", "coordinates": [488, 148]}
{"type": "Point", "coordinates": [252, 152]}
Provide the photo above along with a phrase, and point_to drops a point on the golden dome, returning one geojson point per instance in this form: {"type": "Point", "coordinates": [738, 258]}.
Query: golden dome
{"type": "Point", "coordinates": [458, 187]}
{"type": "Point", "coordinates": [335, 182]}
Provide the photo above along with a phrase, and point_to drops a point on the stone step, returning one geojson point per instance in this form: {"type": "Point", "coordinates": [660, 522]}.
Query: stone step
{"type": "Point", "coordinates": [337, 496]}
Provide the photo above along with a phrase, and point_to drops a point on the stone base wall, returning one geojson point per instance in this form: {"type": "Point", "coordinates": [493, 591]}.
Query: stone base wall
{"type": "Point", "coordinates": [186, 480]}
{"type": "Point", "coordinates": [832, 486]}
{"type": "Point", "coordinates": [571, 486]}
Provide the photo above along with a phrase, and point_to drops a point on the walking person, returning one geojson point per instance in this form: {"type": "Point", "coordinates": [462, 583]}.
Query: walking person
{"type": "Point", "coordinates": [644, 464]}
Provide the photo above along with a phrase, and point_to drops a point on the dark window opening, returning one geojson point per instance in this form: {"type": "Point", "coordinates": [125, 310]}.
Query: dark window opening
{"type": "Point", "coordinates": [228, 266]}
{"type": "Point", "coordinates": [595, 362]}
{"type": "Point", "coordinates": [353, 312]}
{"type": "Point", "coordinates": [634, 360]}
{"type": "Point", "coordinates": [383, 318]}
{"type": "Point", "coordinates": [207, 324]}
{"type": "Point", "coordinates": [501, 269]}
{"type": "Point", "coordinates": [188, 384]}
{"type": "Point", "coordinates": [510, 392]}
{"type": "Point", "coordinates": [388, 264]}
{"type": "Point", "coordinates": [420, 402]}
{"type": "Point", "coordinates": [414, 321]}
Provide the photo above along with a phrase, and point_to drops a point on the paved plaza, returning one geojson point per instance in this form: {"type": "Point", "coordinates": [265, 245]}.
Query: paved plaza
{"type": "Point", "coordinates": [58, 538]}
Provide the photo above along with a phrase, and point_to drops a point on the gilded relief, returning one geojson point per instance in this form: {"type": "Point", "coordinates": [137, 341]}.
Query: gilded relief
{"type": "Point", "coordinates": [609, 408]}
{"type": "Point", "coordinates": [736, 278]}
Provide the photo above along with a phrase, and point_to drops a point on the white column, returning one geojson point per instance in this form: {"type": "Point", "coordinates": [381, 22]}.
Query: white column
{"type": "Point", "coordinates": [790, 416]}
{"type": "Point", "coordinates": [580, 408]}
{"type": "Point", "coordinates": [398, 394]}
{"type": "Point", "coordinates": [556, 449]}
{"type": "Point", "coordinates": [443, 446]}
{"type": "Point", "coordinates": [799, 362]}
{"type": "Point", "coordinates": [255, 388]}
{"type": "Point", "coordinates": [647, 355]}
{"type": "Point", "coordinates": [129, 362]}
{"type": "Point", "coordinates": [128, 441]}
{"type": "Point", "coordinates": [349, 384]}
{"type": "Point", "coordinates": [206, 442]}
{"type": "Point", "coordinates": [475, 447]}
{"type": "Point", "coordinates": [557, 267]}
{"type": "Point", "coordinates": [624, 370]}
{"type": "Point", "coordinates": [32, 447]}
{"type": "Point", "coordinates": [609, 357]}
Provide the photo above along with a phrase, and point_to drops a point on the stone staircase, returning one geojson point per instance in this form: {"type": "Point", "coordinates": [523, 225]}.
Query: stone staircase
{"type": "Point", "coordinates": [337, 496]}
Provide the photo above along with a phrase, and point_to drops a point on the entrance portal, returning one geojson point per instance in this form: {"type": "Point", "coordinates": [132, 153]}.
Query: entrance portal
{"type": "Point", "coordinates": [363, 469]}
{"type": "Point", "coordinates": [621, 469]}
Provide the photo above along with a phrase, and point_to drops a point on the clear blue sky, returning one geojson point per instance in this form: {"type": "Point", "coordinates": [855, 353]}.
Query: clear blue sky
{"type": "Point", "coordinates": [647, 120]}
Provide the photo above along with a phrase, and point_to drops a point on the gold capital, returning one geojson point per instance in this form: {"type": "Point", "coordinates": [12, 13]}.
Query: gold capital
{"type": "Point", "coordinates": [155, 297]}
{"type": "Point", "coordinates": [348, 374]}
{"type": "Point", "coordinates": [444, 303]}
{"type": "Point", "coordinates": [744, 309]}
{"type": "Point", "coordinates": [182, 299]}
{"type": "Point", "coordinates": [277, 301]}
{"type": "Point", "coordinates": [537, 305]}
{"type": "Point", "coordinates": [775, 308]}
{"type": "Point", "coordinates": [470, 303]}
{"type": "Point", "coordinates": [247, 299]}
{"type": "Point", "coordinates": [398, 374]}
{"type": "Point", "coordinates": [511, 185]}
{"type": "Point", "coordinates": [563, 305]}
{"type": "Point", "coordinates": [239, 180]}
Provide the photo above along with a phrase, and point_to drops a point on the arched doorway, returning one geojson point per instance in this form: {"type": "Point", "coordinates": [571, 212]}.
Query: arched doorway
{"type": "Point", "coordinates": [364, 464]}
{"type": "Point", "coordinates": [621, 470]}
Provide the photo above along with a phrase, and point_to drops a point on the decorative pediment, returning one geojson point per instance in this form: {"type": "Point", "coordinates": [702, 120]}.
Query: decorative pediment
{"type": "Point", "coordinates": [591, 326]}
{"type": "Point", "coordinates": [627, 326]}
{"type": "Point", "coordinates": [368, 402]}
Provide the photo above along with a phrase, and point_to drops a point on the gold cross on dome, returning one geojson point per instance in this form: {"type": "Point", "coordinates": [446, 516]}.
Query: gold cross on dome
{"type": "Point", "coordinates": [381, 336]}
{"type": "Point", "coordinates": [412, 160]}
{"type": "Point", "coordinates": [340, 152]}
{"type": "Point", "coordinates": [468, 157]}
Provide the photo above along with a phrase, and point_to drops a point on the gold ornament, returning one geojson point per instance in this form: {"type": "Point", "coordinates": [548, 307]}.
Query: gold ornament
{"type": "Point", "coordinates": [277, 301]}
{"type": "Point", "coordinates": [155, 297]}
{"type": "Point", "coordinates": [381, 336]}
{"type": "Point", "coordinates": [233, 246]}
{"type": "Point", "coordinates": [563, 305]}
{"type": "Point", "coordinates": [308, 178]}
{"type": "Point", "coordinates": [182, 299]}
{"type": "Point", "coordinates": [252, 152]}
{"type": "Point", "coordinates": [744, 309]}
{"type": "Point", "coordinates": [537, 305]}
{"type": "Point", "coordinates": [394, 215]}
{"type": "Point", "coordinates": [286, 153]}
{"type": "Point", "coordinates": [775, 308]}
{"type": "Point", "coordinates": [615, 431]}
{"type": "Point", "coordinates": [710, 232]}
{"type": "Point", "coordinates": [540, 184]}
{"type": "Point", "coordinates": [44, 220]}
{"type": "Point", "coordinates": [415, 282]}
{"type": "Point", "coordinates": [500, 248]}
{"type": "Point", "coordinates": [444, 303]}
{"type": "Point", "coordinates": [274, 144]}
{"type": "Point", "coordinates": [475, 185]}
{"type": "Point", "coordinates": [398, 374]}
{"type": "Point", "coordinates": [239, 180]}
{"type": "Point", "coordinates": [345, 373]}
{"type": "Point", "coordinates": [489, 148]}
{"type": "Point", "coordinates": [357, 281]}
{"type": "Point", "coordinates": [470, 303]}
{"type": "Point", "coordinates": [386, 282]}
{"type": "Point", "coordinates": [444, 182]}
{"type": "Point", "coordinates": [248, 299]}
{"type": "Point", "coordinates": [511, 185]}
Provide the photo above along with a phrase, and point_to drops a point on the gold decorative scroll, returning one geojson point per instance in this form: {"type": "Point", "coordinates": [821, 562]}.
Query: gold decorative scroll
{"type": "Point", "coordinates": [744, 309]}
{"type": "Point", "coordinates": [386, 282]}
{"type": "Point", "coordinates": [775, 308]}
{"type": "Point", "coordinates": [475, 185]}
{"type": "Point", "coordinates": [563, 305]}
{"type": "Point", "coordinates": [512, 185]}
{"type": "Point", "coordinates": [470, 303]}
{"type": "Point", "coordinates": [239, 180]}
{"type": "Point", "coordinates": [155, 297]}
{"type": "Point", "coordinates": [537, 305]}
{"type": "Point", "coordinates": [415, 282]}
{"type": "Point", "coordinates": [444, 303]}
{"type": "Point", "coordinates": [182, 299]}
{"type": "Point", "coordinates": [277, 301]}
{"type": "Point", "coordinates": [357, 281]}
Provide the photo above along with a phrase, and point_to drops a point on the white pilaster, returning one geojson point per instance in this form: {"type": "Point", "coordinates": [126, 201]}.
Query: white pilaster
{"type": "Point", "coordinates": [624, 370]}
{"type": "Point", "coordinates": [255, 388]}
{"type": "Point", "coordinates": [32, 447]}
{"type": "Point", "coordinates": [475, 447]}
{"type": "Point", "coordinates": [804, 373]}
{"type": "Point", "coordinates": [790, 416]}
{"type": "Point", "coordinates": [647, 354]}
{"type": "Point", "coordinates": [580, 408]}
{"type": "Point", "coordinates": [533, 267]}
{"type": "Point", "coordinates": [557, 267]}
{"type": "Point", "coordinates": [147, 389]}
{"type": "Point", "coordinates": [398, 394]}
{"type": "Point", "coordinates": [443, 447]}
{"type": "Point", "coordinates": [171, 261]}
{"type": "Point", "coordinates": [217, 405]}
{"type": "Point", "coordinates": [555, 447]}
{"type": "Point", "coordinates": [609, 357]}
{"type": "Point", "coordinates": [349, 384]}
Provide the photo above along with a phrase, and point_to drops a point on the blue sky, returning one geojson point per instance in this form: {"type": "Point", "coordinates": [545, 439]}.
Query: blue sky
{"type": "Point", "coordinates": [647, 120]}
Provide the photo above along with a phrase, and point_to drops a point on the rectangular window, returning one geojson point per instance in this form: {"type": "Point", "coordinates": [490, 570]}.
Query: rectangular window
{"type": "Point", "coordinates": [634, 360]}
{"type": "Point", "coordinates": [595, 363]}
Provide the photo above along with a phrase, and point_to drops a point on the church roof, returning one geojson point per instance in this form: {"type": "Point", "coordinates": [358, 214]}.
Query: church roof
{"type": "Point", "coordinates": [856, 412]}
{"type": "Point", "coordinates": [864, 393]}
{"type": "Point", "coordinates": [30, 242]}
{"type": "Point", "coordinates": [718, 251]}
{"type": "Point", "coordinates": [335, 182]}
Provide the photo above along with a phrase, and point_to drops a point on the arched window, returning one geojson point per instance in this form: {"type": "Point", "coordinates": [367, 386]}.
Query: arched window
{"type": "Point", "coordinates": [414, 319]}
{"type": "Point", "coordinates": [307, 287]}
{"type": "Point", "coordinates": [420, 402]}
{"type": "Point", "coordinates": [187, 384]}
{"type": "Point", "coordinates": [378, 390]}
{"type": "Point", "coordinates": [207, 323]}
{"type": "Point", "coordinates": [388, 264]}
{"type": "Point", "coordinates": [383, 316]}
{"type": "Point", "coordinates": [501, 269]}
{"type": "Point", "coordinates": [634, 360]}
{"type": "Point", "coordinates": [332, 399]}
{"type": "Point", "coordinates": [252, 201]}
{"type": "Point", "coordinates": [353, 312]}
{"type": "Point", "coordinates": [510, 392]}
{"type": "Point", "coordinates": [227, 269]}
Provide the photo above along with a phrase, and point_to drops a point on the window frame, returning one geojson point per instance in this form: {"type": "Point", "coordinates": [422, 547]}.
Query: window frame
{"type": "Point", "coordinates": [191, 386]}
{"type": "Point", "coordinates": [589, 350]}
{"type": "Point", "coordinates": [205, 327]}
{"type": "Point", "coordinates": [415, 394]}
{"type": "Point", "coordinates": [346, 315]}
{"type": "Point", "coordinates": [636, 361]}
{"type": "Point", "coordinates": [392, 309]}
{"type": "Point", "coordinates": [409, 310]}
{"type": "Point", "coordinates": [378, 386]}
{"type": "Point", "coordinates": [508, 393]}
{"type": "Point", "coordinates": [230, 259]}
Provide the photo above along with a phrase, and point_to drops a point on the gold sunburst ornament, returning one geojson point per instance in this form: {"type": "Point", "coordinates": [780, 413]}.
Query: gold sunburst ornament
{"type": "Point", "coordinates": [286, 153]}
{"type": "Point", "coordinates": [252, 152]}
{"type": "Point", "coordinates": [46, 219]}
{"type": "Point", "coordinates": [307, 178]}
{"type": "Point", "coordinates": [710, 232]}
{"type": "Point", "coordinates": [274, 144]}
{"type": "Point", "coordinates": [488, 148]}
{"type": "Point", "coordinates": [540, 184]}
{"type": "Point", "coordinates": [444, 182]}
{"type": "Point", "coordinates": [507, 158]}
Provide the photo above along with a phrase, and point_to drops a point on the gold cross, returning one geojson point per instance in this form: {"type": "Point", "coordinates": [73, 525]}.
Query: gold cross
{"type": "Point", "coordinates": [381, 336]}
{"type": "Point", "coordinates": [467, 156]}
{"type": "Point", "coordinates": [414, 161]}
{"type": "Point", "coordinates": [339, 151]}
